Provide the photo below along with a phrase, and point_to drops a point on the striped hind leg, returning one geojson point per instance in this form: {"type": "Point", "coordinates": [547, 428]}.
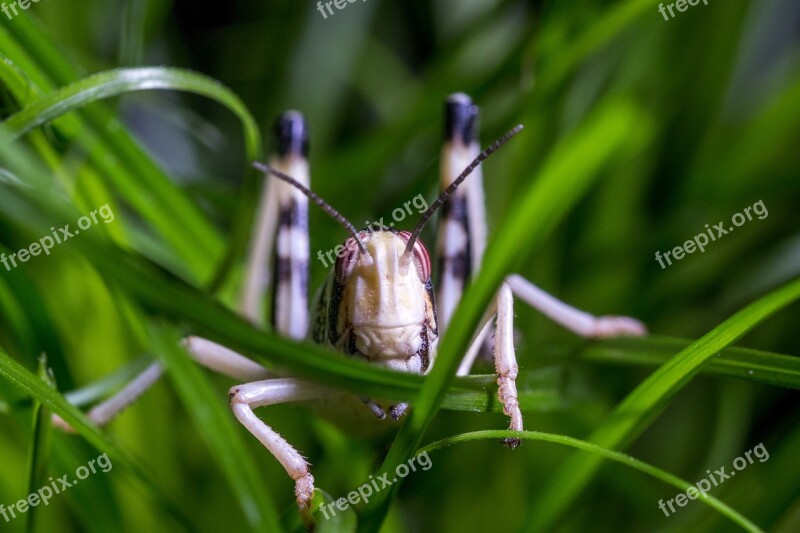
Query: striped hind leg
{"type": "Point", "coordinates": [461, 238]}
{"type": "Point", "coordinates": [461, 244]}
{"type": "Point", "coordinates": [282, 221]}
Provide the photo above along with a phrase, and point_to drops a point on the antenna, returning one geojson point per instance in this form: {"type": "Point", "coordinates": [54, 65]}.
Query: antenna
{"type": "Point", "coordinates": [426, 216]}
{"type": "Point", "coordinates": [317, 200]}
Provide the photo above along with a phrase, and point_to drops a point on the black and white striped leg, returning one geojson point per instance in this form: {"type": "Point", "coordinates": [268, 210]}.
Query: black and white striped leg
{"type": "Point", "coordinates": [282, 217]}
{"type": "Point", "coordinates": [290, 295]}
{"type": "Point", "coordinates": [462, 227]}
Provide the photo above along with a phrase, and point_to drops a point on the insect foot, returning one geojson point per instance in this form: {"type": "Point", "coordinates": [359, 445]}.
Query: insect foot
{"type": "Point", "coordinates": [507, 394]}
{"type": "Point", "coordinates": [303, 491]}
{"type": "Point", "coordinates": [398, 410]}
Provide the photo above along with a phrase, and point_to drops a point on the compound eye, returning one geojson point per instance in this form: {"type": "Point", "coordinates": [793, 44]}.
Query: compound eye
{"type": "Point", "coordinates": [421, 258]}
{"type": "Point", "coordinates": [349, 259]}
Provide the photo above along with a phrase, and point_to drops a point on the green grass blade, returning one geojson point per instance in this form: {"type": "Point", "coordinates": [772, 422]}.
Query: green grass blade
{"type": "Point", "coordinates": [644, 404]}
{"type": "Point", "coordinates": [600, 453]}
{"type": "Point", "coordinates": [614, 21]}
{"type": "Point", "coordinates": [126, 80]}
{"type": "Point", "coordinates": [744, 363]}
{"type": "Point", "coordinates": [39, 446]}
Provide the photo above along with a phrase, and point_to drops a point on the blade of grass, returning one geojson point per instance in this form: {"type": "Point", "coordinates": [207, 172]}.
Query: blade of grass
{"type": "Point", "coordinates": [647, 401]}
{"type": "Point", "coordinates": [743, 363]}
{"type": "Point", "coordinates": [39, 445]}
{"type": "Point", "coordinates": [121, 81]}
{"type": "Point", "coordinates": [601, 453]}
{"type": "Point", "coordinates": [613, 21]}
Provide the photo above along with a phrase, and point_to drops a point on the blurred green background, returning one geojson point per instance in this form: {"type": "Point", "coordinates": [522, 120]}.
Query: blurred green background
{"type": "Point", "coordinates": [704, 111]}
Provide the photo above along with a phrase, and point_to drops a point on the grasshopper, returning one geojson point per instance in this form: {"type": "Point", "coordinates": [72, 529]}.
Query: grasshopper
{"type": "Point", "coordinates": [379, 302]}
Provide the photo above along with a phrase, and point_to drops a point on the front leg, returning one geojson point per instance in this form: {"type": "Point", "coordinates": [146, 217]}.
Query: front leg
{"type": "Point", "coordinates": [244, 398]}
{"type": "Point", "coordinates": [505, 358]}
{"type": "Point", "coordinates": [505, 361]}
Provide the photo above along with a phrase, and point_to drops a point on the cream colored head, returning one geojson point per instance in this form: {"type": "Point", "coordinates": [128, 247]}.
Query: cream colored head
{"type": "Point", "coordinates": [388, 304]}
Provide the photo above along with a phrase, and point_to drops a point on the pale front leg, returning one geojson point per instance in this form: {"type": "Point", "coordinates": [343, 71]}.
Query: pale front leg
{"type": "Point", "coordinates": [505, 361]}
{"type": "Point", "coordinates": [244, 398]}
{"type": "Point", "coordinates": [580, 322]}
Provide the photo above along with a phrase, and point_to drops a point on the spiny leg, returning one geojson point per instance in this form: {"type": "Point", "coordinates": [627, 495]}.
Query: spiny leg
{"type": "Point", "coordinates": [505, 359]}
{"type": "Point", "coordinates": [244, 398]}
{"type": "Point", "coordinates": [209, 354]}
{"type": "Point", "coordinates": [504, 355]}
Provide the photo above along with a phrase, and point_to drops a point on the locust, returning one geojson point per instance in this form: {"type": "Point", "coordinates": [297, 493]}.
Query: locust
{"type": "Point", "coordinates": [381, 301]}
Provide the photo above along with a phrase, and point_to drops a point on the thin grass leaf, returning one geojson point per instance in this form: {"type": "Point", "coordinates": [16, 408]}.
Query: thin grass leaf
{"type": "Point", "coordinates": [747, 364]}
{"type": "Point", "coordinates": [127, 80]}
{"type": "Point", "coordinates": [647, 401]}
{"type": "Point", "coordinates": [600, 453]}
{"type": "Point", "coordinates": [37, 463]}
{"type": "Point", "coordinates": [600, 32]}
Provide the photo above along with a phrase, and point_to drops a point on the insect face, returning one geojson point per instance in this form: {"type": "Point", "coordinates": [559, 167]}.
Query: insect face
{"type": "Point", "coordinates": [386, 302]}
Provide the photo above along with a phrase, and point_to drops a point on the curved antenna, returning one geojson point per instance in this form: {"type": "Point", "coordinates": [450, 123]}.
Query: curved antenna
{"type": "Point", "coordinates": [426, 216]}
{"type": "Point", "coordinates": [316, 199]}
